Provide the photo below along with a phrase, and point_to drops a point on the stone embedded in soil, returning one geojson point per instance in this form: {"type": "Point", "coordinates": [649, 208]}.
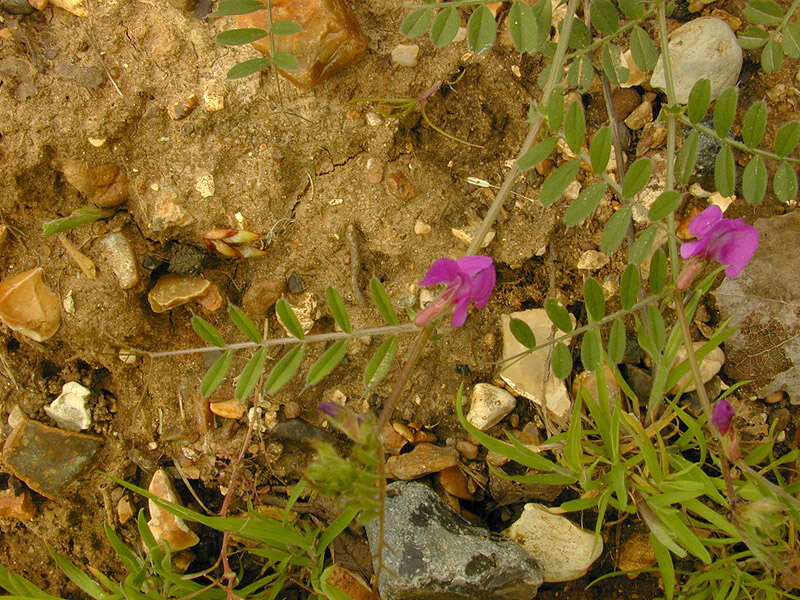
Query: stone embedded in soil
{"type": "Point", "coordinates": [505, 492]}
{"type": "Point", "coordinates": [16, 506]}
{"type": "Point", "coordinates": [636, 553]}
{"type": "Point", "coordinates": [165, 526]}
{"type": "Point", "coordinates": [526, 376]}
{"type": "Point", "coordinates": [16, 7]}
{"type": "Point", "coordinates": [702, 48]}
{"type": "Point", "coordinates": [564, 550]}
{"type": "Point", "coordinates": [119, 253]}
{"type": "Point", "coordinates": [69, 410]}
{"type": "Point", "coordinates": [467, 449]}
{"type": "Point", "coordinates": [103, 186]}
{"type": "Point", "coordinates": [350, 583]}
{"type": "Point", "coordinates": [28, 306]}
{"type": "Point", "coordinates": [180, 109]}
{"type": "Point", "coordinates": [625, 100]}
{"type": "Point", "coordinates": [261, 296]}
{"type": "Point", "coordinates": [400, 186]}
{"type": "Point", "coordinates": [46, 458]}
{"type": "Point", "coordinates": [640, 116]}
{"type": "Point", "coordinates": [329, 41]}
{"type": "Point", "coordinates": [227, 409]}
{"type": "Point", "coordinates": [306, 312]}
{"type": "Point", "coordinates": [431, 552]}
{"type": "Point", "coordinates": [592, 260]}
{"type": "Point", "coordinates": [90, 77]}
{"type": "Point", "coordinates": [125, 509]}
{"type": "Point", "coordinates": [489, 405]}
{"type": "Point", "coordinates": [709, 366]}
{"type": "Point", "coordinates": [405, 55]}
{"type": "Point", "coordinates": [393, 442]}
{"type": "Point", "coordinates": [175, 290]}
{"type": "Point", "coordinates": [422, 460]}
{"type": "Point", "coordinates": [167, 212]}
{"type": "Point", "coordinates": [454, 482]}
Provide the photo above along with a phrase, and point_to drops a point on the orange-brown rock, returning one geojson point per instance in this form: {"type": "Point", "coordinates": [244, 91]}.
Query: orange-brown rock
{"type": "Point", "coordinates": [103, 186]}
{"type": "Point", "coordinates": [422, 460]}
{"type": "Point", "coordinates": [350, 583]}
{"type": "Point", "coordinates": [329, 41]}
{"type": "Point", "coordinates": [454, 483]}
{"type": "Point", "coordinates": [16, 506]}
{"type": "Point", "coordinates": [27, 305]}
{"type": "Point", "coordinates": [165, 526]}
{"type": "Point", "coordinates": [173, 290]}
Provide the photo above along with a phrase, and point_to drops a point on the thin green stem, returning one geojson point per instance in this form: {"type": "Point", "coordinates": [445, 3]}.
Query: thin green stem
{"type": "Point", "coordinates": [735, 143]}
{"type": "Point", "coordinates": [789, 14]}
{"type": "Point", "coordinates": [411, 361]}
{"type": "Point", "coordinates": [556, 69]}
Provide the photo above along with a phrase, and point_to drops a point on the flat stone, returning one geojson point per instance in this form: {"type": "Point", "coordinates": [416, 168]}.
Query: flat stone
{"type": "Point", "coordinates": [709, 366]}
{"type": "Point", "coordinates": [454, 482]}
{"type": "Point", "coordinates": [166, 527]}
{"type": "Point", "coordinates": [564, 550]}
{"type": "Point", "coordinates": [400, 186]}
{"type": "Point", "coordinates": [261, 296]}
{"type": "Point", "coordinates": [489, 405]}
{"type": "Point", "coordinates": [104, 185]}
{"type": "Point", "coordinates": [637, 553]}
{"type": "Point", "coordinates": [16, 7]}
{"type": "Point", "coordinates": [69, 410]}
{"type": "Point", "coordinates": [329, 41]}
{"type": "Point", "coordinates": [505, 492]}
{"type": "Point", "coordinates": [118, 252]}
{"type": "Point", "coordinates": [431, 553]}
{"type": "Point", "coordinates": [592, 260]}
{"type": "Point", "coordinates": [526, 376]}
{"type": "Point", "coordinates": [702, 48]}
{"type": "Point", "coordinates": [16, 506]}
{"type": "Point", "coordinates": [28, 306]}
{"type": "Point", "coordinates": [167, 212]}
{"type": "Point", "coordinates": [46, 458]}
{"type": "Point", "coordinates": [405, 55]}
{"type": "Point", "coordinates": [174, 290]}
{"type": "Point", "coordinates": [90, 77]}
{"type": "Point", "coordinates": [228, 409]}
{"type": "Point", "coordinates": [422, 460]}
{"type": "Point", "coordinates": [393, 442]}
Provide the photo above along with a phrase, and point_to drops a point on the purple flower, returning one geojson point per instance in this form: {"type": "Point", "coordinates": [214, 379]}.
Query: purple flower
{"type": "Point", "coordinates": [468, 279]}
{"type": "Point", "coordinates": [722, 417]}
{"type": "Point", "coordinates": [730, 242]}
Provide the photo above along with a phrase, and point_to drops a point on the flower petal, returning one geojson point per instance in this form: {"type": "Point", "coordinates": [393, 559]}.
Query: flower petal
{"type": "Point", "coordinates": [482, 287]}
{"type": "Point", "coordinates": [460, 313]}
{"type": "Point", "coordinates": [472, 265]}
{"type": "Point", "coordinates": [443, 270]}
{"type": "Point", "coordinates": [702, 223]}
{"type": "Point", "coordinates": [723, 414]}
{"type": "Point", "coordinates": [690, 249]}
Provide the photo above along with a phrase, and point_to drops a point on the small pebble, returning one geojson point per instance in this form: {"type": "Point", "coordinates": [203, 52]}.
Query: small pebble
{"type": "Point", "coordinates": [467, 449]}
{"type": "Point", "coordinates": [125, 510]}
{"type": "Point", "coordinates": [454, 483]}
{"type": "Point", "coordinates": [373, 119]}
{"type": "Point", "coordinates": [592, 260]}
{"type": "Point", "coordinates": [16, 7]}
{"type": "Point", "coordinates": [16, 506]}
{"type": "Point", "coordinates": [405, 55]}
{"type": "Point", "coordinates": [295, 284]}
{"type": "Point", "coordinates": [261, 296]}
{"type": "Point", "coordinates": [292, 410]}
{"type": "Point", "coordinates": [421, 227]}
{"type": "Point", "coordinates": [69, 410]}
{"type": "Point", "coordinates": [227, 409]}
{"type": "Point", "coordinates": [640, 116]}
{"type": "Point", "coordinates": [182, 108]}
{"type": "Point", "coordinates": [117, 250]}
{"type": "Point", "coordinates": [28, 306]}
{"type": "Point", "coordinates": [374, 171]}
{"type": "Point", "coordinates": [400, 186]}
{"type": "Point", "coordinates": [489, 405]}
{"type": "Point", "coordinates": [165, 526]}
{"type": "Point", "coordinates": [422, 460]}
{"type": "Point", "coordinates": [205, 185]}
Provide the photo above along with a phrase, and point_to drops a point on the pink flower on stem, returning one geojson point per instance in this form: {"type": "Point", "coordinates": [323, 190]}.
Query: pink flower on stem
{"type": "Point", "coordinates": [730, 242]}
{"type": "Point", "coordinates": [722, 417]}
{"type": "Point", "coordinates": [468, 279]}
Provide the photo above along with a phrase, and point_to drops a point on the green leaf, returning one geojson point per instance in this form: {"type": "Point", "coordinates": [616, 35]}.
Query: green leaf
{"type": "Point", "coordinates": [555, 109]}
{"type": "Point", "coordinates": [616, 229]}
{"type": "Point", "coordinates": [641, 246]}
{"type": "Point", "coordinates": [658, 272]}
{"type": "Point", "coordinates": [772, 56]}
{"type": "Point", "coordinates": [537, 154]}
{"type": "Point", "coordinates": [216, 374]}
{"type": "Point", "coordinates": [286, 27]}
{"type": "Point", "coordinates": [522, 27]}
{"type": "Point", "coordinates": [754, 180]}
{"type": "Point", "coordinates": [289, 319]}
{"type": "Point", "coordinates": [754, 124]}
{"type": "Point", "coordinates": [581, 73]}
{"type": "Point", "coordinates": [656, 326]}
{"type": "Point", "coordinates": [725, 111]}
{"type": "Point", "coordinates": [544, 17]}
{"type": "Point", "coordinates": [699, 99]}
{"type": "Point", "coordinates": [665, 566]}
{"type": "Point", "coordinates": [522, 332]}
{"type": "Point", "coordinates": [573, 450]}
{"type": "Point", "coordinates": [575, 126]}
{"type": "Point", "coordinates": [629, 288]}
{"type": "Point", "coordinates": [612, 64]}
{"type": "Point", "coordinates": [637, 177]}
{"type": "Point", "coordinates": [237, 37]}
{"type": "Point", "coordinates": [382, 302]}
{"type": "Point", "coordinates": [339, 312]}
{"type": "Point", "coordinates": [248, 379]}
{"type": "Point", "coordinates": [327, 362]}
{"type": "Point", "coordinates": [644, 51]}
{"type": "Point", "coordinates": [445, 27]}
{"type": "Point", "coordinates": [79, 216]}
{"type": "Point", "coordinates": [248, 67]}
{"type": "Point", "coordinates": [604, 17]}
{"type": "Point", "coordinates": [594, 299]}
{"type": "Point", "coordinates": [481, 30]}
{"type": "Point", "coordinates": [417, 23]}
{"type": "Point", "coordinates": [379, 365]}
{"type": "Point", "coordinates": [785, 183]}
{"type": "Point", "coordinates": [617, 341]}
{"type": "Point", "coordinates": [665, 204]}
{"type": "Point", "coordinates": [558, 181]}
{"type": "Point", "coordinates": [763, 12]}
{"type": "Point", "coordinates": [791, 40]}
{"type": "Point", "coordinates": [725, 171]}
{"type": "Point", "coordinates": [600, 149]}
{"type": "Point", "coordinates": [558, 315]}
{"type": "Point", "coordinates": [561, 362]}
{"type": "Point", "coordinates": [79, 578]}
{"type": "Point", "coordinates": [207, 332]}
{"type": "Point", "coordinates": [579, 37]}
{"type": "Point", "coordinates": [284, 370]}
{"type": "Point", "coordinates": [237, 7]}
{"type": "Point", "coordinates": [243, 322]}
{"type": "Point", "coordinates": [752, 38]}
{"type": "Point", "coordinates": [285, 61]}
{"type": "Point", "coordinates": [632, 9]}
{"type": "Point", "coordinates": [588, 199]}
{"type": "Point", "coordinates": [687, 157]}
{"type": "Point", "coordinates": [786, 138]}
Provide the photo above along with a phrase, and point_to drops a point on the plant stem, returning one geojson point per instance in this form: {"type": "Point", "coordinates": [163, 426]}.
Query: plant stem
{"type": "Point", "coordinates": [556, 72]}
{"type": "Point", "coordinates": [411, 361]}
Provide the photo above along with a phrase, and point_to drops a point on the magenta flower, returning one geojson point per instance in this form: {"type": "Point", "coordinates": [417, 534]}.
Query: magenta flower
{"type": "Point", "coordinates": [468, 279]}
{"type": "Point", "coordinates": [730, 242]}
{"type": "Point", "coordinates": [722, 417]}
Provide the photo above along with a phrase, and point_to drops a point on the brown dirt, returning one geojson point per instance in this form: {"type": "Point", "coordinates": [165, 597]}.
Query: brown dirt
{"type": "Point", "coordinates": [299, 158]}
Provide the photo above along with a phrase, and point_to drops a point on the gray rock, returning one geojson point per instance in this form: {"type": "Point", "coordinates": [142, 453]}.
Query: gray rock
{"type": "Point", "coordinates": [707, 149]}
{"type": "Point", "coordinates": [431, 553]}
{"type": "Point", "coordinates": [702, 48]}
{"type": "Point", "coordinates": [16, 7]}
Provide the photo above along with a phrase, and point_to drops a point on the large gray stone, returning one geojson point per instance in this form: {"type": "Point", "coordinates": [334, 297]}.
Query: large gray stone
{"type": "Point", "coordinates": [431, 553]}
